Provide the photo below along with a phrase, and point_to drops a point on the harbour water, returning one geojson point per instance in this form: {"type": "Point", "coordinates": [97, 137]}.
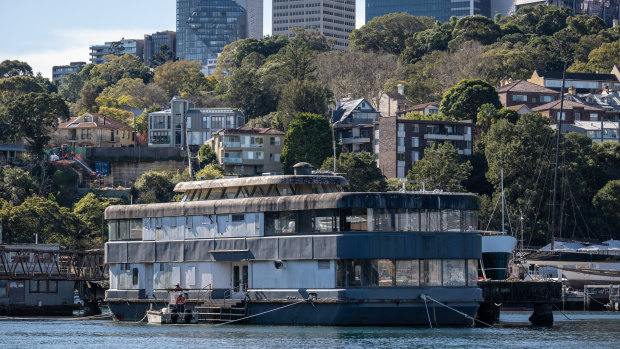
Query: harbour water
{"type": "Point", "coordinates": [593, 330]}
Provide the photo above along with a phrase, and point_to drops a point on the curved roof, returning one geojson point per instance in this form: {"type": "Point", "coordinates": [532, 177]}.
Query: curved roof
{"type": "Point", "coordinates": [298, 203]}
{"type": "Point", "coordinates": [261, 180]}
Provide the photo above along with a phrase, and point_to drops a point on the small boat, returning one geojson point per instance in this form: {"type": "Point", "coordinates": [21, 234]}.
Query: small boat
{"type": "Point", "coordinates": [166, 316]}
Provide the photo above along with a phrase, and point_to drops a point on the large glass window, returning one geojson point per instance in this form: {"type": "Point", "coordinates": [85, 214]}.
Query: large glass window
{"type": "Point", "coordinates": [354, 219]}
{"type": "Point", "coordinates": [385, 272]}
{"type": "Point", "coordinates": [325, 221]}
{"type": "Point", "coordinates": [408, 272]}
{"type": "Point", "coordinates": [430, 272]}
{"type": "Point", "coordinates": [454, 272]}
{"type": "Point", "coordinates": [3, 288]}
{"type": "Point", "coordinates": [472, 272]}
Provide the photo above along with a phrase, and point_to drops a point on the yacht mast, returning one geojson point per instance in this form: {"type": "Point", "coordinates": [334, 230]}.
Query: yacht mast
{"type": "Point", "coordinates": [557, 156]}
{"type": "Point", "coordinates": [503, 231]}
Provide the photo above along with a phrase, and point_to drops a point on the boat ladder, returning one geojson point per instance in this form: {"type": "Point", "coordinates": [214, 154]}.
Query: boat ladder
{"type": "Point", "coordinates": [221, 310]}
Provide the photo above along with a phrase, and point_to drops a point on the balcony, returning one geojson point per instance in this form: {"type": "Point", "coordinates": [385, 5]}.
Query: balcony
{"type": "Point", "coordinates": [233, 160]}
{"type": "Point", "coordinates": [355, 140]}
{"type": "Point", "coordinates": [451, 137]}
{"type": "Point", "coordinates": [230, 144]}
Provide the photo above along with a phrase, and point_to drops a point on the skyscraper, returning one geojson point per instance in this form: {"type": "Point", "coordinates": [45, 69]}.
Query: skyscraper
{"type": "Point", "coordinates": [204, 27]}
{"type": "Point", "coordinates": [154, 42]}
{"type": "Point", "coordinates": [441, 10]}
{"type": "Point", "coordinates": [333, 18]}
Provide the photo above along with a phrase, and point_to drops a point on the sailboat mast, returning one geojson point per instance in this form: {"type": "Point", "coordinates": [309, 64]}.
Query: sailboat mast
{"type": "Point", "coordinates": [503, 201]}
{"type": "Point", "coordinates": [557, 157]}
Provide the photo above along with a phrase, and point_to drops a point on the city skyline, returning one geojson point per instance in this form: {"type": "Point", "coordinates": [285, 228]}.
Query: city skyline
{"type": "Point", "coordinates": [58, 33]}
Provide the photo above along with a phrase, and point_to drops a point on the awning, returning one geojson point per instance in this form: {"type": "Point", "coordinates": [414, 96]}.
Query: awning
{"type": "Point", "coordinates": [11, 148]}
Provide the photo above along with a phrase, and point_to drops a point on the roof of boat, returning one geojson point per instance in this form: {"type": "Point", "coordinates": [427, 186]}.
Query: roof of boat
{"type": "Point", "coordinates": [262, 180]}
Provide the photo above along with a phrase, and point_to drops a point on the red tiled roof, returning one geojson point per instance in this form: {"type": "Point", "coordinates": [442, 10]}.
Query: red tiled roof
{"type": "Point", "coordinates": [524, 86]}
{"type": "Point", "coordinates": [568, 105]}
{"type": "Point", "coordinates": [102, 122]}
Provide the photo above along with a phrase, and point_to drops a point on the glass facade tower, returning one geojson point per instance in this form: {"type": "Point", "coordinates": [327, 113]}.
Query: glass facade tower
{"type": "Point", "coordinates": [441, 10]}
{"type": "Point", "coordinates": [204, 27]}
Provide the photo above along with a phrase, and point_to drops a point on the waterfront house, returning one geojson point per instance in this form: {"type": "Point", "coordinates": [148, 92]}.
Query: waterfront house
{"type": "Point", "coordinates": [95, 130]}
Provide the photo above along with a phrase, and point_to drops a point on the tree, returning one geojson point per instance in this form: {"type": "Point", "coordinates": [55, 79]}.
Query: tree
{"type": "Point", "coordinates": [142, 121]}
{"type": "Point", "coordinates": [119, 67]}
{"type": "Point", "coordinates": [539, 19]}
{"type": "Point", "coordinates": [488, 114]}
{"type": "Point", "coordinates": [608, 199]}
{"type": "Point", "coordinates": [181, 78]}
{"type": "Point", "coordinates": [16, 185]}
{"type": "Point", "coordinates": [440, 168]}
{"type": "Point", "coordinates": [87, 102]}
{"type": "Point", "coordinates": [463, 100]}
{"type": "Point", "coordinates": [427, 41]}
{"type": "Point", "coordinates": [206, 156]}
{"type": "Point", "coordinates": [388, 33]}
{"type": "Point", "coordinates": [234, 53]}
{"type": "Point", "coordinates": [165, 54]}
{"type": "Point", "coordinates": [15, 86]}
{"type": "Point", "coordinates": [302, 97]}
{"type": "Point", "coordinates": [152, 187]}
{"type": "Point", "coordinates": [414, 115]}
{"type": "Point", "coordinates": [358, 74]}
{"type": "Point", "coordinates": [117, 48]}
{"type": "Point", "coordinates": [133, 93]}
{"type": "Point", "coordinates": [211, 171]}
{"type": "Point", "coordinates": [70, 87]}
{"type": "Point", "coordinates": [477, 28]}
{"type": "Point", "coordinates": [307, 140]}
{"type": "Point", "coordinates": [90, 210]}
{"type": "Point", "coordinates": [604, 58]}
{"type": "Point", "coordinates": [34, 116]}
{"type": "Point", "coordinates": [40, 217]}
{"type": "Point", "coordinates": [360, 170]}
{"type": "Point", "coordinates": [248, 89]}
{"type": "Point", "coordinates": [9, 68]}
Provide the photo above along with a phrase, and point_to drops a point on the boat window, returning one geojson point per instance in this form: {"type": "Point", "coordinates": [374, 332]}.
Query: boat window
{"type": "Point", "coordinates": [472, 272]}
{"type": "Point", "coordinates": [451, 220]}
{"type": "Point", "coordinates": [385, 272]}
{"type": "Point", "coordinates": [354, 219]}
{"type": "Point", "coordinates": [430, 272]}
{"type": "Point", "coordinates": [190, 195]}
{"type": "Point", "coordinates": [135, 277]}
{"type": "Point", "coordinates": [3, 288]}
{"type": "Point", "coordinates": [408, 272]}
{"type": "Point", "coordinates": [214, 194]}
{"type": "Point", "coordinates": [454, 272]}
{"type": "Point", "coordinates": [384, 219]}
{"type": "Point", "coordinates": [123, 229]}
{"type": "Point", "coordinates": [136, 229]}
{"type": "Point", "coordinates": [285, 189]}
{"type": "Point", "coordinates": [112, 230]}
{"type": "Point", "coordinates": [238, 218]}
{"type": "Point", "coordinates": [433, 219]}
{"type": "Point", "coordinates": [470, 220]}
{"type": "Point", "coordinates": [325, 221]}
{"type": "Point", "coordinates": [280, 222]}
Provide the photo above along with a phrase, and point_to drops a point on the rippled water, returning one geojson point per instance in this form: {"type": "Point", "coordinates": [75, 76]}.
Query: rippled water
{"type": "Point", "coordinates": [583, 330]}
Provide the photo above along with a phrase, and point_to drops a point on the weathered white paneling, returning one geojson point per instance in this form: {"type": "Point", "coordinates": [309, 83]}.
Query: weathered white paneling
{"type": "Point", "coordinates": [148, 229]}
{"type": "Point", "coordinates": [295, 274]}
{"type": "Point", "coordinates": [222, 223]}
{"type": "Point", "coordinates": [190, 276]}
{"type": "Point", "coordinates": [148, 277]}
{"type": "Point", "coordinates": [203, 227]}
{"type": "Point", "coordinates": [125, 278]}
{"type": "Point", "coordinates": [113, 270]}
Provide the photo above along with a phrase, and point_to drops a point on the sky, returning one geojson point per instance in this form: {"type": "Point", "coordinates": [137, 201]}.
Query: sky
{"type": "Point", "coordinates": [45, 33]}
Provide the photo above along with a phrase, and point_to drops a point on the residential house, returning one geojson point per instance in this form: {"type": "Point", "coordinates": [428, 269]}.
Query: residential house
{"type": "Point", "coordinates": [353, 125]}
{"type": "Point", "coordinates": [572, 111]}
{"type": "Point", "coordinates": [391, 103]}
{"type": "Point", "coordinates": [521, 92]}
{"type": "Point", "coordinates": [401, 142]}
{"type": "Point", "coordinates": [12, 152]}
{"type": "Point", "coordinates": [608, 99]}
{"type": "Point", "coordinates": [520, 109]}
{"type": "Point", "coordinates": [598, 131]}
{"type": "Point", "coordinates": [248, 150]}
{"type": "Point", "coordinates": [582, 82]}
{"type": "Point", "coordinates": [167, 128]}
{"type": "Point", "coordinates": [95, 130]}
{"type": "Point", "coordinates": [424, 109]}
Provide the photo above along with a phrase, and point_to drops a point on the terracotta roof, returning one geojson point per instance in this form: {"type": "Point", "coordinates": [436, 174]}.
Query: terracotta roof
{"type": "Point", "coordinates": [102, 122]}
{"type": "Point", "coordinates": [524, 86]}
{"type": "Point", "coordinates": [568, 105]}
{"type": "Point", "coordinates": [251, 130]}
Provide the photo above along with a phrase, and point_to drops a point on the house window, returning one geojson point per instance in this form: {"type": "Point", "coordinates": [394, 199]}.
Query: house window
{"type": "Point", "coordinates": [205, 122]}
{"type": "Point", "coordinates": [401, 141]}
{"type": "Point", "coordinates": [400, 156]}
{"type": "Point", "coordinates": [275, 140]}
{"type": "Point", "coordinates": [563, 116]}
{"type": "Point", "coordinates": [401, 127]}
{"type": "Point", "coordinates": [415, 156]}
{"type": "Point", "coordinates": [416, 128]}
{"type": "Point", "coordinates": [577, 116]}
{"type": "Point", "coordinates": [519, 98]}
{"type": "Point", "coordinates": [547, 98]}
{"type": "Point", "coordinates": [111, 136]}
{"type": "Point", "coordinates": [189, 122]}
{"type": "Point", "coordinates": [415, 142]}
{"type": "Point", "coordinates": [217, 122]}
{"type": "Point", "coordinates": [593, 117]}
{"type": "Point", "coordinates": [275, 157]}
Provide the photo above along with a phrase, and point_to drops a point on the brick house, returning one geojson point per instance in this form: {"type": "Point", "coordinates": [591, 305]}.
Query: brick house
{"type": "Point", "coordinates": [572, 111]}
{"type": "Point", "coordinates": [95, 130]}
{"type": "Point", "coordinates": [521, 92]}
{"type": "Point", "coordinates": [582, 82]}
{"type": "Point", "coordinates": [401, 142]}
{"type": "Point", "coordinates": [248, 150]}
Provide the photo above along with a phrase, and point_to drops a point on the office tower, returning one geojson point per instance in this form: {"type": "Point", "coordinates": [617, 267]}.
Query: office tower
{"type": "Point", "coordinates": [153, 43]}
{"type": "Point", "coordinates": [333, 18]}
{"type": "Point", "coordinates": [204, 27]}
{"type": "Point", "coordinates": [441, 10]}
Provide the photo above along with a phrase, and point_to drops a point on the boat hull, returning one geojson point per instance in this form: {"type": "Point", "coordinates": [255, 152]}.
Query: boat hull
{"type": "Point", "coordinates": [496, 252]}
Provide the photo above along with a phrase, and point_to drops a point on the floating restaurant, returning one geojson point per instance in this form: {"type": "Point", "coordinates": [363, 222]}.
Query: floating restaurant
{"type": "Point", "coordinates": [296, 249]}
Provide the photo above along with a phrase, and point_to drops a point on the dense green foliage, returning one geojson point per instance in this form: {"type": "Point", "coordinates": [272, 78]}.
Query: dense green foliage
{"type": "Point", "coordinates": [154, 186]}
{"type": "Point", "coordinates": [465, 99]}
{"type": "Point", "coordinates": [307, 140]}
{"type": "Point", "coordinates": [206, 156]}
{"type": "Point", "coordinates": [440, 168]}
{"type": "Point", "coordinates": [360, 170]}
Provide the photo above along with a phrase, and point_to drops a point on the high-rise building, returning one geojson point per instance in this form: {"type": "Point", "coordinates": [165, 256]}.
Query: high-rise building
{"type": "Point", "coordinates": [441, 10]}
{"type": "Point", "coordinates": [153, 43]}
{"type": "Point", "coordinates": [333, 18]}
{"type": "Point", "coordinates": [131, 46]}
{"type": "Point", "coordinates": [204, 27]}
{"type": "Point", "coordinates": [61, 71]}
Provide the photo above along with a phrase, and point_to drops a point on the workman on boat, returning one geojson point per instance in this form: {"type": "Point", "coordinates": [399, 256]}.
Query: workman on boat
{"type": "Point", "coordinates": [180, 303]}
{"type": "Point", "coordinates": [177, 287]}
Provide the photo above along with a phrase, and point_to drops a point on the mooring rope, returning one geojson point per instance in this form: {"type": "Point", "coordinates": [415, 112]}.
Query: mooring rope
{"type": "Point", "coordinates": [427, 313]}
{"type": "Point", "coordinates": [93, 317]}
{"type": "Point", "coordinates": [457, 311]}
{"type": "Point", "coordinates": [255, 315]}
{"type": "Point", "coordinates": [561, 312]}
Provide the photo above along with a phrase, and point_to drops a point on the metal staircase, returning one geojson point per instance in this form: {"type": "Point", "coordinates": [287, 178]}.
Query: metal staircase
{"type": "Point", "coordinates": [221, 310]}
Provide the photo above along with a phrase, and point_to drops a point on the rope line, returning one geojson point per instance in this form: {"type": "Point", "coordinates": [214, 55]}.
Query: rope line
{"type": "Point", "coordinates": [93, 317]}
{"type": "Point", "coordinates": [457, 311]}
{"type": "Point", "coordinates": [427, 313]}
{"type": "Point", "coordinates": [255, 315]}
